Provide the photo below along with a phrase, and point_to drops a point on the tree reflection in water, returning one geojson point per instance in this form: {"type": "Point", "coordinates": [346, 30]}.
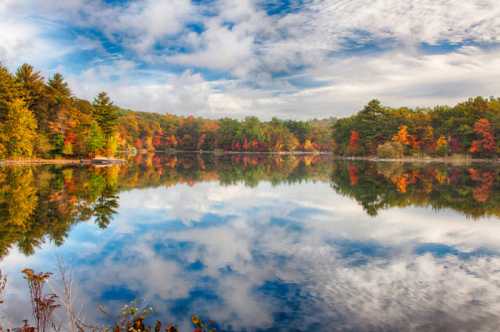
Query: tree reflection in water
{"type": "Point", "coordinates": [43, 202]}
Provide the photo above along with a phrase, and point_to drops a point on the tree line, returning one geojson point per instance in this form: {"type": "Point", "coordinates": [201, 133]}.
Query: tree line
{"type": "Point", "coordinates": [157, 132]}
{"type": "Point", "coordinates": [469, 128]}
{"type": "Point", "coordinates": [43, 119]}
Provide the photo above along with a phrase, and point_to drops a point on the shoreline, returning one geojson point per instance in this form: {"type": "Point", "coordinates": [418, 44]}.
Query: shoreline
{"type": "Point", "coordinates": [115, 161]}
{"type": "Point", "coordinates": [425, 160]}
{"type": "Point", "coordinates": [94, 162]}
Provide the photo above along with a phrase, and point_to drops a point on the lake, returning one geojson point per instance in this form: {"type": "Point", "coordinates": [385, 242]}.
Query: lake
{"type": "Point", "coordinates": [262, 242]}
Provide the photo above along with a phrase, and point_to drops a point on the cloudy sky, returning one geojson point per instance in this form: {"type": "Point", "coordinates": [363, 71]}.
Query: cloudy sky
{"type": "Point", "coordinates": [287, 58]}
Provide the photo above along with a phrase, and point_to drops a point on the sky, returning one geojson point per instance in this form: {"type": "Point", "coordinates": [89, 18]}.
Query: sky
{"type": "Point", "coordinates": [295, 59]}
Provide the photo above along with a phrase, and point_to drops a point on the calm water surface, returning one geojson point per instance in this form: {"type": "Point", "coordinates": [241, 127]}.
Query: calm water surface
{"type": "Point", "coordinates": [261, 243]}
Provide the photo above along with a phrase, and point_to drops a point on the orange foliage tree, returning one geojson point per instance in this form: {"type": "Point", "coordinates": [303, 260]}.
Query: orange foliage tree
{"type": "Point", "coordinates": [402, 135]}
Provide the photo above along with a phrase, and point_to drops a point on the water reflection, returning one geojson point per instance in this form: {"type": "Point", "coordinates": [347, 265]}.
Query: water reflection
{"type": "Point", "coordinates": [45, 202]}
{"type": "Point", "coordinates": [472, 190]}
{"type": "Point", "coordinates": [390, 248]}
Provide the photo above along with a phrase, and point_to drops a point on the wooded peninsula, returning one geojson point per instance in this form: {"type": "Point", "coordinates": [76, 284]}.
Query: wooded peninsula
{"type": "Point", "coordinates": [43, 119]}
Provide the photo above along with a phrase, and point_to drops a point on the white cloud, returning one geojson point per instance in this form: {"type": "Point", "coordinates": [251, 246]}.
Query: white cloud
{"type": "Point", "coordinates": [397, 78]}
{"type": "Point", "coordinates": [146, 22]}
{"type": "Point", "coordinates": [408, 22]}
{"type": "Point", "coordinates": [22, 41]}
{"type": "Point", "coordinates": [242, 42]}
{"type": "Point", "coordinates": [186, 94]}
{"type": "Point", "coordinates": [220, 49]}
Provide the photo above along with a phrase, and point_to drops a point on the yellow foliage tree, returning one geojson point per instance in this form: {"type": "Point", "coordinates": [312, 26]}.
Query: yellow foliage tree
{"type": "Point", "coordinates": [292, 143]}
{"type": "Point", "coordinates": [111, 145]}
{"type": "Point", "coordinates": [3, 151]}
{"type": "Point", "coordinates": [19, 130]}
{"type": "Point", "coordinates": [442, 146]}
{"type": "Point", "coordinates": [308, 146]}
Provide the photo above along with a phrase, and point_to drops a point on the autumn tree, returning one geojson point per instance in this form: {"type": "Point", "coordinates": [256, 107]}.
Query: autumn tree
{"type": "Point", "coordinates": [485, 144]}
{"type": "Point", "coordinates": [353, 147]}
{"type": "Point", "coordinates": [442, 146]}
{"type": "Point", "coordinates": [9, 91]}
{"type": "Point", "coordinates": [308, 146]}
{"type": "Point", "coordinates": [18, 130]}
{"type": "Point", "coordinates": [424, 130]}
{"type": "Point", "coordinates": [301, 129]}
{"type": "Point", "coordinates": [402, 136]}
{"type": "Point", "coordinates": [278, 136]}
{"type": "Point", "coordinates": [3, 149]}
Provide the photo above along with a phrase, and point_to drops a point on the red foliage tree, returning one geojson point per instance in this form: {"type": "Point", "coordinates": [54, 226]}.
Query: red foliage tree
{"type": "Point", "coordinates": [353, 146]}
{"type": "Point", "coordinates": [486, 144]}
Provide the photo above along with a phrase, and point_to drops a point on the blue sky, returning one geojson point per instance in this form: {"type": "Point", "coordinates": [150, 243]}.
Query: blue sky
{"type": "Point", "coordinates": [288, 58]}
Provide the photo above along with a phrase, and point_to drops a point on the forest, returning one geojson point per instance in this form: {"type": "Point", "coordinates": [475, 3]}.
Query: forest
{"type": "Point", "coordinates": [43, 119]}
{"type": "Point", "coordinates": [470, 128]}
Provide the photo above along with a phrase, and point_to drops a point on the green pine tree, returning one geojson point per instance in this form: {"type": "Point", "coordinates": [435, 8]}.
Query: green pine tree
{"type": "Point", "coordinates": [105, 113]}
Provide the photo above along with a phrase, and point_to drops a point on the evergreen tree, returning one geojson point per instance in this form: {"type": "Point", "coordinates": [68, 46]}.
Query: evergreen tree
{"type": "Point", "coordinates": [95, 140]}
{"type": "Point", "coordinates": [32, 83]}
{"type": "Point", "coordinates": [35, 93]}
{"type": "Point", "coordinates": [59, 88]}
{"type": "Point", "coordinates": [105, 113]}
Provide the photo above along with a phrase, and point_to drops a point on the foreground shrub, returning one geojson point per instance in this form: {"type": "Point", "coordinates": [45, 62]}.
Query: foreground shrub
{"type": "Point", "coordinates": [130, 318]}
